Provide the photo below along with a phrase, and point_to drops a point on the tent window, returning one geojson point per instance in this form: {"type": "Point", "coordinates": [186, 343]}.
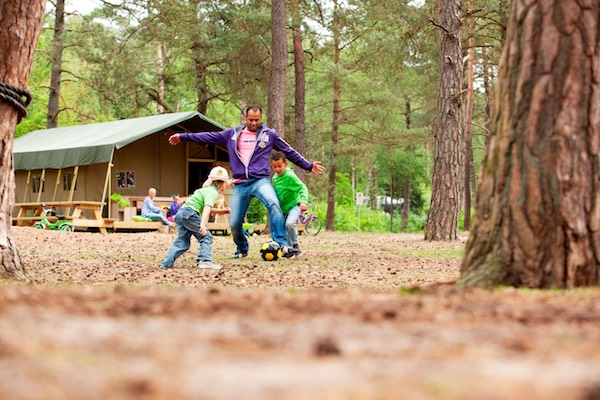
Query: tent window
{"type": "Point", "coordinates": [36, 181]}
{"type": "Point", "coordinates": [126, 179]}
{"type": "Point", "coordinates": [67, 181]}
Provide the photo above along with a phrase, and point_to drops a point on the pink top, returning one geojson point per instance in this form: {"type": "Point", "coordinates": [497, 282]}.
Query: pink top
{"type": "Point", "coordinates": [246, 144]}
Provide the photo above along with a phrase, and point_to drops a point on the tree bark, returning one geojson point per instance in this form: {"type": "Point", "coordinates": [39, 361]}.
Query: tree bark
{"type": "Point", "coordinates": [160, 72]}
{"type": "Point", "coordinates": [372, 193]}
{"type": "Point", "coordinates": [335, 122]}
{"type": "Point", "coordinates": [406, 188]}
{"type": "Point", "coordinates": [55, 78]}
{"type": "Point", "coordinates": [299, 107]}
{"type": "Point", "coordinates": [468, 127]}
{"type": "Point", "coordinates": [20, 25]}
{"type": "Point", "coordinates": [201, 85]}
{"type": "Point", "coordinates": [442, 221]}
{"type": "Point", "coordinates": [406, 204]}
{"type": "Point", "coordinates": [276, 106]}
{"type": "Point", "coordinates": [537, 223]}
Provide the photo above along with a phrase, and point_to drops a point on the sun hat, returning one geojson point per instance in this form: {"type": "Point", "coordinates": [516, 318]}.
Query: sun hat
{"type": "Point", "coordinates": [216, 174]}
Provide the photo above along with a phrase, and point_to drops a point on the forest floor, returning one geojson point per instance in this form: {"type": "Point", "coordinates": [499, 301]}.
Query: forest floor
{"type": "Point", "coordinates": [358, 316]}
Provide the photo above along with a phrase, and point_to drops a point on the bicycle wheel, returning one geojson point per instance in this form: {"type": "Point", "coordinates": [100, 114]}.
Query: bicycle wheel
{"type": "Point", "coordinates": [313, 227]}
{"type": "Point", "coordinates": [39, 225]}
{"type": "Point", "coordinates": [67, 227]}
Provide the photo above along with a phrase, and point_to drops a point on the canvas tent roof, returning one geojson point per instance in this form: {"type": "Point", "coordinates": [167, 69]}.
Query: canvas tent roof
{"type": "Point", "coordinates": [94, 143]}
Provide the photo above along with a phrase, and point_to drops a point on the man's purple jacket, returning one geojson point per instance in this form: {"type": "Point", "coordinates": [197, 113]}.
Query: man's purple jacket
{"type": "Point", "coordinates": [260, 161]}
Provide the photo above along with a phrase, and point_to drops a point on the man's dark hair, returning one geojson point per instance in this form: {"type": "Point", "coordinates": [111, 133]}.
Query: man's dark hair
{"type": "Point", "coordinates": [278, 155]}
{"type": "Point", "coordinates": [253, 108]}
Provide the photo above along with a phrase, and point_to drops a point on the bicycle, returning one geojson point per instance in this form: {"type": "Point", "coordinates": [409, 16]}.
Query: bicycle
{"type": "Point", "coordinates": [312, 223]}
{"type": "Point", "coordinates": [61, 224]}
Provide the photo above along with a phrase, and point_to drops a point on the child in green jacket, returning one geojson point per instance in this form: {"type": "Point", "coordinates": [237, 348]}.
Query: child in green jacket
{"type": "Point", "coordinates": [293, 196]}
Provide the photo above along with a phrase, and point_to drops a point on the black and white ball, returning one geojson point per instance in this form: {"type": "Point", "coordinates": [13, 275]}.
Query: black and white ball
{"type": "Point", "coordinates": [270, 251]}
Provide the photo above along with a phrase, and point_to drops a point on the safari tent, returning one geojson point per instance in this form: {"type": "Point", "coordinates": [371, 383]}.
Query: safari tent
{"type": "Point", "coordinates": [90, 162]}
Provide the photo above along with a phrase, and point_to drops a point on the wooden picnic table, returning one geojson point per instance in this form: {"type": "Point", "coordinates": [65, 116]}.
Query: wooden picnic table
{"type": "Point", "coordinates": [30, 213]}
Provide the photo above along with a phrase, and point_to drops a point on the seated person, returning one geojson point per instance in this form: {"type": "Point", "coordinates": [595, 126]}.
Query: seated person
{"type": "Point", "coordinates": [149, 210]}
{"type": "Point", "coordinates": [174, 207]}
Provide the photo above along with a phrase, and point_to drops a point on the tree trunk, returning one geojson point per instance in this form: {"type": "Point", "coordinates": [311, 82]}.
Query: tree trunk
{"type": "Point", "coordinates": [406, 188]}
{"type": "Point", "coordinates": [391, 202]}
{"type": "Point", "coordinates": [406, 204]}
{"type": "Point", "coordinates": [20, 24]}
{"type": "Point", "coordinates": [201, 85]}
{"type": "Point", "coordinates": [299, 121]}
{"type": "Point", "coordinates": [469, 124]}
{"type": "Point", "coordinates": [373, 185]}
{"type": "Point", "coordinates": [442, 221]}
{"type": "Point", "coordinates": [503, 19]}
{"type": "Point", "coordinates": [55, 78]}
{"type": "Point", "coordinates": [335, 124]}
{"type": "Point", "coordinates": [537, 223]}
{"type": "Point", "coordinates": [488, 96]}
{"type": "Point", "coordinates": [160, 71]}
{"type": "Point", "coordinates": [276, 106]}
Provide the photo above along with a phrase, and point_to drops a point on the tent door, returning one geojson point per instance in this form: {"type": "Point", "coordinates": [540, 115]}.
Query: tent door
{"type": "Point", "coordinates": [198, 173]}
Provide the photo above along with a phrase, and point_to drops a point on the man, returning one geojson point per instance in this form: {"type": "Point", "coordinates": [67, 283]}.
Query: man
{"type": "Point", "coordinates": [249, 147]}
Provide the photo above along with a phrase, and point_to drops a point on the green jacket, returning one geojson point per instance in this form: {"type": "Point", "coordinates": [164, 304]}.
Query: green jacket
{"type": "Point", "coordinates": [291, 191]}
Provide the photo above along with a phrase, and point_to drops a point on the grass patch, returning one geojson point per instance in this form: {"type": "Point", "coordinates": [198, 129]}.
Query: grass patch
{"type": "Point", "coordinates": [433, 253]}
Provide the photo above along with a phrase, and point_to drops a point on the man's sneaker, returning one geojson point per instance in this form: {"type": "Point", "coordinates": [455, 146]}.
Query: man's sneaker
{"type": "Point", "coordinates": [288, 251]}
{"type": "Point", "coordinates": [208, 265]}
{"type": "Point", "coordinates": [239, 254]}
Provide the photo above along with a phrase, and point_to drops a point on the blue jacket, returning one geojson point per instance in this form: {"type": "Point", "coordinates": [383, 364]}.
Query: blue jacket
{"type": "Point", "coordinates": [260, 161]}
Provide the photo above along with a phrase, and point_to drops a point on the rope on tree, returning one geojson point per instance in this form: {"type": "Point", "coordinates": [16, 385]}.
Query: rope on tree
{"type": "Point", "coordinates": [18, 98]}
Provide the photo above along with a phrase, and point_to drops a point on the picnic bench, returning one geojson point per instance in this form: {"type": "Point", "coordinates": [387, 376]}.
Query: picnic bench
{"type": "Point", "coordinates": [30, 213]}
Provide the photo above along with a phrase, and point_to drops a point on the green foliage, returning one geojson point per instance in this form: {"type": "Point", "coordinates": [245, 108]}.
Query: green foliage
{"type": "Point", "coordinates": [257, 212]}
{"type": "Point", "coordinates": [216, 54]}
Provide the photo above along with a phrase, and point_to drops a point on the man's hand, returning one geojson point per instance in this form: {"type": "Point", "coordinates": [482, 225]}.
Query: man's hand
{"type": "Point", "coordinates": [174, 139]}
{"type": "Point", "coordinates": [317, 167]}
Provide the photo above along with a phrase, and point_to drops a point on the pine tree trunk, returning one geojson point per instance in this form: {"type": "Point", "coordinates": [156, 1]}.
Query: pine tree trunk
{"type": "Point", "coordinates": [55, 78]}
{"type": "Point", "coordinates": [276, 106]}
{"type": "Point", "coordinates": [538, 205]}
{"type": "Point", "coordinates": [201, 85]}
{"type": "Point", "coordinates": [406, 189]}
{"type": "Point", "coordinates": [406, 204]}
{"type": "Point", "coordinates": [335, 124]}
{"type": "Point", "coordinates": [488, 96]}
{"type": "Point", "coordinates": [373, 185]}
{"type": "Point", "coordinates": [442, 221]}
{"type": "Point", "coordinates": [299, 120]}
{"type": "Point", "coordinates": [160, 72]}
{"type": "Point", "coordinates": [468, 127]}
{"type": "Point", "coordinates": [20, 24]}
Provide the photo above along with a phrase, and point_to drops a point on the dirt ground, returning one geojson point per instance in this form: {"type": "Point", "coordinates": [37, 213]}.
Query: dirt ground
{"type": "Point", "coordinates": [358, 316]}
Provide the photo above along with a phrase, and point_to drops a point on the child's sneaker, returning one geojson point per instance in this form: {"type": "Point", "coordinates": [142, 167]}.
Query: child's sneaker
{"type": "Point", "coordinates": [288, 251]}
{"type": "Point", "coordinates": [298, 251]}
{"type": "Point", "coordinates": [239, 254]}
{"type": "Point", "coordinates": [208, 265]}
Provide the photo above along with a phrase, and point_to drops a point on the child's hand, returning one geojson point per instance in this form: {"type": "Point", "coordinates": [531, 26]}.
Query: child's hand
{"type": "Point", "coordinates": [303, 207]}
{"type": "Point", "coordinates": [202, 229]}
{"type": "Point", "coordinates": [227, 210]}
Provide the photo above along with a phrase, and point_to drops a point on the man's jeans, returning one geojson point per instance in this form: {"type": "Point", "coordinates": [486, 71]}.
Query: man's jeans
{"type": "Point", "coordinates": [188, 224]}
{"type": "Point", "coordinates": [291, 219]}
{"type": "Point", "coordinates": [243, 192]}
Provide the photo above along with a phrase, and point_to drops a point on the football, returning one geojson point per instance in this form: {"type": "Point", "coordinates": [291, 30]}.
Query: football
{"type": "Point", "coordinates": [270, 251]}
